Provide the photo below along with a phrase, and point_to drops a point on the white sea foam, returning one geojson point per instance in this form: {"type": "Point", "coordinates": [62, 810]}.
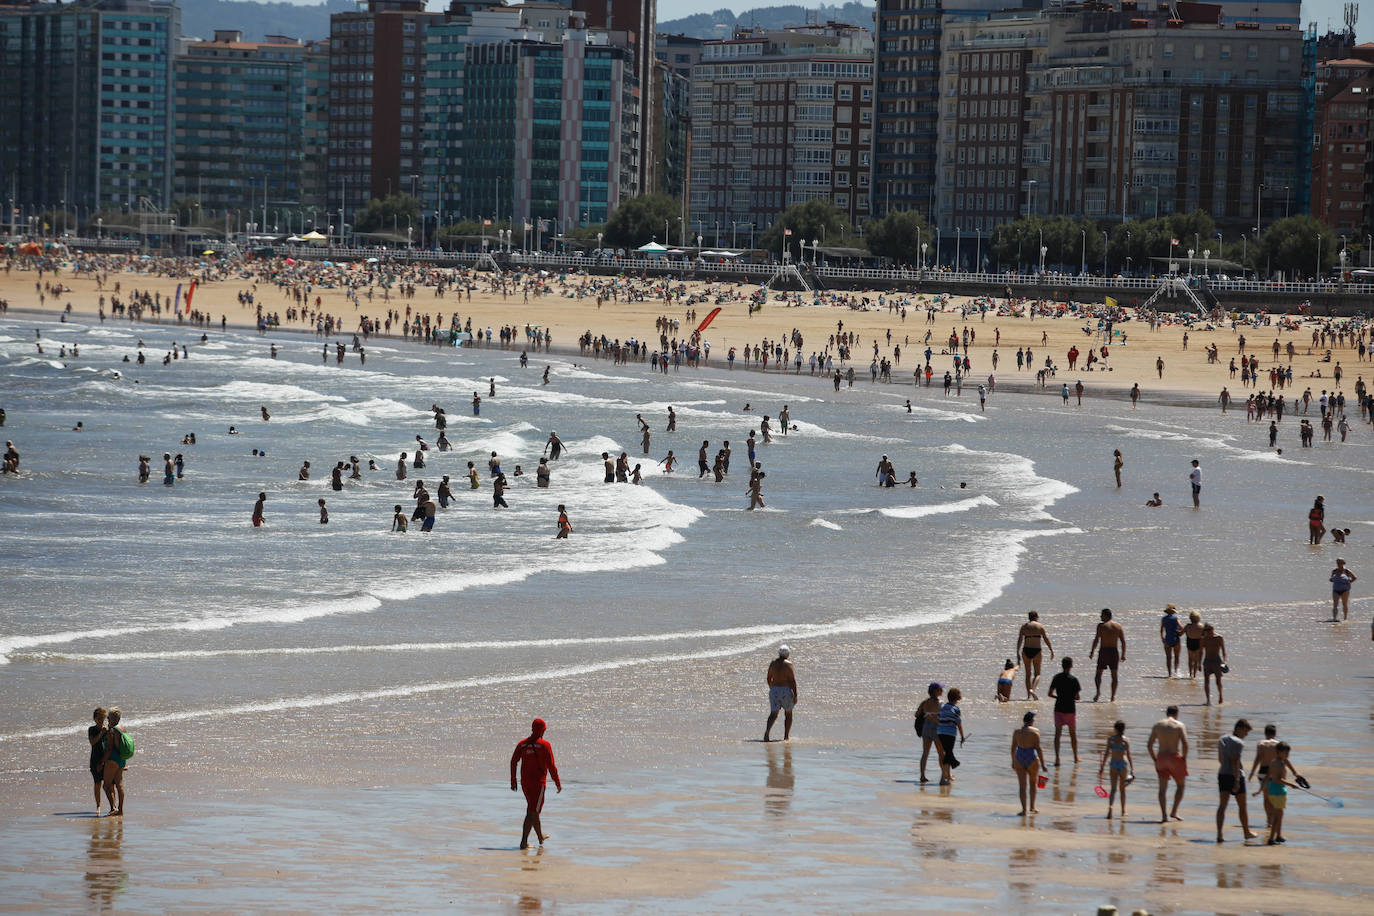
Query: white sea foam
{"type": "Point", "coordinates": [823, 523]}
{"type": "Point", "coordinates": [963, 505]}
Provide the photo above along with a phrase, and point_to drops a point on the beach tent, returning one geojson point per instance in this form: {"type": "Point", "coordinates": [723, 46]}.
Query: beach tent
{"type": "Point", "coordinates": [652, 250]}
{"type": "Point", "coordinates": [314, 236]}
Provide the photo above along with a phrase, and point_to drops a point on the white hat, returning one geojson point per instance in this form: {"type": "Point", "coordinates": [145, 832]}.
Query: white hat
{"type": "Point", "coordinates": [783, 651]}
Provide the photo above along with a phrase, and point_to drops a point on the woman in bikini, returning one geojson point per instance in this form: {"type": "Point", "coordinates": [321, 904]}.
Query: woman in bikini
{"type": "Point", "coordinates": [1005, 680]}
{"type": "Point", "coordinates": [1027, 759]}
{"type": "Point", "coordinates": [1117, 753]}
{"type": "Point", "coordinates": [1192, 635]}
{"type": "Point", "coordinates": [927, 721]}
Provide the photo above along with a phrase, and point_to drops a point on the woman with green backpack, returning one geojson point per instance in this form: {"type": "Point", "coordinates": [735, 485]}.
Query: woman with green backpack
{"type": "Point", "coordinates": [119, 747]}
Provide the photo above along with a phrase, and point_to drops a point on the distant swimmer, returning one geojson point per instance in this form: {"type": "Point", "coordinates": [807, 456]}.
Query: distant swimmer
{"type": "Point", "coordinates": [546, 375]}
{"type": "Point", "coordinates": [534, 758]}
{"type": "Point", "coordinates": [1029, 642]}
{"type": "Point", "coordinates": [336, 477]}
{"type": "Point", "coordinates": [1111, 639]}
{"type": "Point", "coordinates": [782, 693]}
{"type": "Point", "coordinates": [233, 432]}
{"type": "Point", "coordinates": [554, 446]}
{"type": "Point", "coordinates": [399, 522]}
{"type": "Point", "coordinates": [442, 442]}
{"type": "Point", "coordinates": [541, 474]}
{"type": "Point", "coordinates": [608, 463]}
{"type": "Point", "coordinates": [1341, 579]}
{"type": "Point", "coordinates": [324, 513]}
{"type": "Point", "coordinates": [766, 430]}
{"type": "Point", "coordinates": [1027, 759]}
{"type": "Point", "coordinates": [472, 476]}
{"type": "Point", "coordinates": [672, 420]}
{"type": "Point", "coordinates": [494, 464]}
{"type": "Point", "coordinates": [444, 493]}
{"type": "Point", "coordinates": [476, 404]}
{"type": "Point", "coordinates": [784, 419]}
{"type": "Point", "coordinates": [168, 470]}
{"type": "Point", "coordinates": [636, 477]}
{"type": "Point", "coordinates": [1168, 748]}
{"type": "Point", "coordinates": [257, 510]}
{"type": "Point", "coordinates": [1195, 480]}
{"type": "Point", "coordinates": [401, 467]}
{"type": "Point", "coordinates": [908, 405]}
{"type": "Point", "coordinates": [305, 471]}
{"type": "Point", "coordinates": [491, 390]}
{"type": "Point", "coordinates": [430, 509]}
{"type": "Point", "coordinates": [1117, 464]}
{"type": "Point", "coordinates": [498, 490]}
{"type": "Point", "coordinates": [912, 481]}
{"type": "Point", "coordinates": [78, 427]}
{"type": "Point", "coordinates": [669, 462]}
{"type": "Point", "coordinates": [564, 526]}
{"type": "Point", "coordinates": [1154, 502]}
{"type": "Point", "coordinates": [886, 474]}
{"type": "Point", "coordinates": [274, 351]}
{"type": "Point", "coordinates": [265, 414]}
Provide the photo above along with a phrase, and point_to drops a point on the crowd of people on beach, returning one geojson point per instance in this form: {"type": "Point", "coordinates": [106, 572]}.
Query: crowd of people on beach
{"type": "Point", "coordinates": [675, 342]}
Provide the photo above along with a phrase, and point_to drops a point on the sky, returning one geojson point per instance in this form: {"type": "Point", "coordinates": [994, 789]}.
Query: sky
{"type": "Point", "coordinates": [1326, 13]}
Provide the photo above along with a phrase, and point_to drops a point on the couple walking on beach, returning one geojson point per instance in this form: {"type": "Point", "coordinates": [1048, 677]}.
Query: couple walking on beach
{"type": "Point", "coordinates": [111, 748]}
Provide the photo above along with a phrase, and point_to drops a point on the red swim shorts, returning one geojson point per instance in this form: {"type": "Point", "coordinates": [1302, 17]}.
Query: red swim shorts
{"type": "Point", "coordinates": [1174, 765]}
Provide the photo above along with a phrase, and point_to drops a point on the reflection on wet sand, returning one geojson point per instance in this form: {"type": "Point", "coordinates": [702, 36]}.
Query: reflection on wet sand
{"type": "Point", "coordinates": [105, 873]}
{"type": "Point", "coordinates": [780, 782]}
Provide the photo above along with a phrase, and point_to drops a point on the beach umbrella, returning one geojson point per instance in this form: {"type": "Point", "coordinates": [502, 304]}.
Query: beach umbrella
{"type": "Point", "coordinates": [372, 260]}
{"type": "Point", "coordinates": [290, 262]}
{"type": "Point", "coordinates": [207, 252]}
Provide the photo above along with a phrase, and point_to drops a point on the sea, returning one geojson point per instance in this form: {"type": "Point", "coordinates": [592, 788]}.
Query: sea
{"type": "Point", "coordinates": [669, 596]}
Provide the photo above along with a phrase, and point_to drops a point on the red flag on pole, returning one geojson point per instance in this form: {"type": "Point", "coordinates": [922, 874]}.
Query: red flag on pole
{"type": "Point", "coordinates": [191, 291]}
{"type": "Point", "coordinates": [787, 232]}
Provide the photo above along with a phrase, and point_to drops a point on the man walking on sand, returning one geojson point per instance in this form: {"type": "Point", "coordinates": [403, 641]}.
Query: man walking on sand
{"type": "Point", "coordinates": [1113, 650]}
{"type": "Point", "coordinates": [534, 757]}
{"type": "Point", "coordinates": [1195, 479]}
{"type": "Point", "coordinates": [782, 693]}
{"type": "Point", "coordinates": [1064, 688]}
{"type": "Point", "coordinates": [1028, 647]}
{"type": "Point", "coordinates": [1231, 778]}
{"type": "Point", "coordinates": [1168, 748]}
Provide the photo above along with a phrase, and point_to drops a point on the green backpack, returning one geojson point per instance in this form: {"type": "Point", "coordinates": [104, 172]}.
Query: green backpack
{"type": "Point", "coordinates": [126, 745]}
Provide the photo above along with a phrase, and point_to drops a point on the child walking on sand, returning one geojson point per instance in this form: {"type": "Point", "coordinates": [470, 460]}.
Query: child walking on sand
{"type": "Point", "coordinates": [1117, 752]}
{"type": "Point", "coordinates": [1276, 790]}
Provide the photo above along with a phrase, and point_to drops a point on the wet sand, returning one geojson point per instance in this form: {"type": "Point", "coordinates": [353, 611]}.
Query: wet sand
{"type": "Point", "coordinates": [691, 813]}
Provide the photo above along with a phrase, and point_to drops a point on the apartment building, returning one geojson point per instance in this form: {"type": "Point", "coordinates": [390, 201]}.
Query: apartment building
{"type": "Point", "coordinates": [530, 115]}
{"type": "Point", "coordinates": [86, 115]}
{"type": "Point", "coordinates": [376, 94]}
{"type": "Point", "coordinates": [1123, 113]}
{"type": "Point", "coordinates": [241, 124]}
{"type": "Point", "coordinates": [778, 118]}
{"type": "Point", "coordinates": [1341, 144]}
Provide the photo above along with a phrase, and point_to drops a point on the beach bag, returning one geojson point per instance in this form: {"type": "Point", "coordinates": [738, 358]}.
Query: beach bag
{"type": "Point", "coordinates": [126, 745]}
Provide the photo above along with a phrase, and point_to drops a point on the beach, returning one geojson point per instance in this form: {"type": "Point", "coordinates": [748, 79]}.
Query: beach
{"type": "Point", "coordinates": [325, 718]}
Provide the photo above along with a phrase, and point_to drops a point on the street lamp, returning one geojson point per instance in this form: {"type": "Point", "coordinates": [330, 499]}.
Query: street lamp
{"type": "Point", "coordinates": [815, 254]}
{"type": "Point", "coordinates": [924, 246]}
{"type": "Point", "coordinates": [1083, 256]}
{"type": "Point", "coordinates": [1104, 255]}
{"type": "Point", "coordinates": [1043, 252]}
{"type": "Point", "coordinates": [1206, 256]}
{"type": "Point", "coordinates": [978, 251]}
{"type": "Point", "coordinates": [1190, 261]}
